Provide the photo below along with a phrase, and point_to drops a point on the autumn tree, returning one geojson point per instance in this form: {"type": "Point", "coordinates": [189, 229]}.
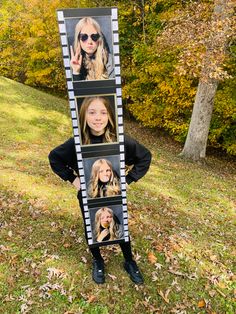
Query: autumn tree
{"type": "Point", "coordinates": [165, 47]}
{"type": "Point", "coordinates": [30, 42]}
{"type": "Point", "coordinates": [204, 55]}
{"type": "Point", "coordinates": [162, 74]}
{"type": "Point", "coordinates": [211, 74]}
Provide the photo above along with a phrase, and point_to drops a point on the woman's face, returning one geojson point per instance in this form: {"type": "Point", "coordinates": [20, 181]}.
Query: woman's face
{"type": "Point", "coordinates": [104, 173]}
{"type": "Point", "coordinates": [106, 219]}
{"type": "Point", "coordinates": [89, 46]}
{"type": "Point", "coordinates": [97, 117]}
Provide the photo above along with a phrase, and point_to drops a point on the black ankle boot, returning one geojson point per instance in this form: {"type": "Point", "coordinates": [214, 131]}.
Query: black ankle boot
{"type": "Point", "coordinates": [98, 271]}
{"type": "Point", "coordinates": [133, 271]}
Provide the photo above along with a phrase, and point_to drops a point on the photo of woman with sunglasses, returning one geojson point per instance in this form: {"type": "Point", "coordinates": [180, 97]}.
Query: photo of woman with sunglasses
{"type": "Point", "coordinates": [90, 57]}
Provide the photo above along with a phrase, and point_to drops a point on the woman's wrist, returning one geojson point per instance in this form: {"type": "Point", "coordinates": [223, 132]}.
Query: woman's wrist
{"type": "Point", "coordinates": [76, 183]}
{"type": "Point", "coordinates": [75, 72]}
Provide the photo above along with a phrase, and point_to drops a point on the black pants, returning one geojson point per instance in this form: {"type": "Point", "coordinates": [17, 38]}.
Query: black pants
{"type": "Point", "coordinates": [125, 246]}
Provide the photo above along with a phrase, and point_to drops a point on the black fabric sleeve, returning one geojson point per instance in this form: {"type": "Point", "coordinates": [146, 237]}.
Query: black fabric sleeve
{"type": "Point", "coordinates": [63, 160]}
{"type": "Point", "coordinates": [77, 77]}
{"type": "Point", "coordinates": [139, 157]}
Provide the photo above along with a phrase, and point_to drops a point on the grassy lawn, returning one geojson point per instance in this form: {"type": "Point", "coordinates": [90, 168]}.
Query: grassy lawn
{"type": "Point", "coordinates": [181, 220]}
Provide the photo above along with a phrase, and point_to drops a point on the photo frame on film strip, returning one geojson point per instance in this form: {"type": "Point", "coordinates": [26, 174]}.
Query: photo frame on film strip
{"type": "Point", "coordinates": [90, 48]}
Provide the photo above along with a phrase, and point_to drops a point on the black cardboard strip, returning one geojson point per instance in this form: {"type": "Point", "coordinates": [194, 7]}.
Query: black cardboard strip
{"type": "Point", "coordinates": [95, 91]}
{"type": "Point", "coordinates": [110, 202]}
{"type": "Point", "coordinates": [105, 201]}
{"type": "Point", "coordinates": [94, 84]}
{"type": "Point", "coordinates": [100, 150]}
{"type": "Point", "coordinates": [106, 243]}
{"type": "Point", "coordinates": [68, 13]}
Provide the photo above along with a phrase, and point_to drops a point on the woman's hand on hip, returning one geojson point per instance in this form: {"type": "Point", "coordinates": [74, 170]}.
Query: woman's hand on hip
{"type": "Point", "coordinates": [76, 183]}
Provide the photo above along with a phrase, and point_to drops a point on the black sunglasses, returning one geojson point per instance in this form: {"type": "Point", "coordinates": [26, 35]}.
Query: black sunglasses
{"type": "Point", "coordinates": [85, 37]}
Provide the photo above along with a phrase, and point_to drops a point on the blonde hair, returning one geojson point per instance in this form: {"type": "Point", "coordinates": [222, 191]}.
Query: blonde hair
{"type": "Point", "coordinates": [95, 67]}
{"type": "Point", "coordinates": [110, 129]}
{"type": "Point", "coordinates": [113, 227]}
{"type": "Point", "coordinates": [112, 186]}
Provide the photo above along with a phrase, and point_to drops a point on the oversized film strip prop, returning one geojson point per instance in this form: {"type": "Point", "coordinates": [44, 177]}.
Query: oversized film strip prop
{"type": "Point", "coordinates": [80, 91]}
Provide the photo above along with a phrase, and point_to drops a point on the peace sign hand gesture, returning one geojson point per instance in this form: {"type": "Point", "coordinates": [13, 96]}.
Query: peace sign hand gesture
{"type": "Point", "coordinates": [76, 60]}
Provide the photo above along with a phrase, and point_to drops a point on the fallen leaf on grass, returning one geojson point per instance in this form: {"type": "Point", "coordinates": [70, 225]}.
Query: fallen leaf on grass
{"type": "Point", "coordinates": [137, 257]}
{"type": "Point", "coordinates": [91, 299]}
{"type": "Point", "coordinates": [178, 273]}
{"type": "Point", "coordinates": [11, 281]}
{"type": "Point", "coordinates": [137, 287]}
{"type": "Point", "coordinates": [158, 266]}
{"type": "Point", "coordinates": [84, 259]}
{"type": "Point", "coordinates": [132, 222]}
{"type": "Point", "coordinates": [116, 288]}
{"type": "Point", "coordinates": [201, 303]}
{"type": "Point", "coordinates": [154, 276]}
{"type": "Point", "coordinates": [159, 247]}
{"type": "Point", "coordinates": [10, 234]}
{"type": "Point", "coordinates": [152, 258]}
{"type": "Point", "coordinates": [24, 308]}
{"type": "Point", "coordinates": [9, 298]}
{"type": "Point", "coordinates": [4, 248]}
{"type": "Point", "coordinates": [55, 272]}
{"type": "Point", "coordinates": [212, 293]}
{"type": "Point", "coordinates": [165, 295]}
{"type": "Point", "coordinates": [23, 270]}
{"type": "Point", "coordinates": [67, 245]}
{"type": "Point", "coordinates": [78, 273]}
{"type": "Point", "coordinates": [113, 277]}
{"type": "Point", "coordinates": [47, 288]}
{"type": "Point", "coordinates": [213, 258]}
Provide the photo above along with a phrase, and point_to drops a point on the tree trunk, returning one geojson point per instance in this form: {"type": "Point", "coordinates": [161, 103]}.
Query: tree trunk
{"type": "Point", "coordinates": [196, 142]}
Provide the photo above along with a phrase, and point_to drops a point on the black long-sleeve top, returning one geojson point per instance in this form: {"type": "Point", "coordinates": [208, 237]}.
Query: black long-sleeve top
{"type": "Point", "coordinates": [63, 159]}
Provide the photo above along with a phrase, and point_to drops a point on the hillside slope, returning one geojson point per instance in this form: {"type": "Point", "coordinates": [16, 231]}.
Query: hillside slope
{"type": "Point", "coordinates": [181, 219]}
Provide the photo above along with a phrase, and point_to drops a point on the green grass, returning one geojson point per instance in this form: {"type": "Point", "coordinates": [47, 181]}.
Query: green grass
{"type": "Point", "coordinates": [182, 224]}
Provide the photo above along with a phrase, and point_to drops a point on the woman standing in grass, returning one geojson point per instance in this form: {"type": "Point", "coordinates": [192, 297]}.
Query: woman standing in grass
{"type": "Point", "coordinates": [63, 162]}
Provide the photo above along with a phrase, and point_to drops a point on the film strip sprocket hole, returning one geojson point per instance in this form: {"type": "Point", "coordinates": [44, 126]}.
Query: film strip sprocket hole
{"type": "Point", "coordinates": [107, 18]}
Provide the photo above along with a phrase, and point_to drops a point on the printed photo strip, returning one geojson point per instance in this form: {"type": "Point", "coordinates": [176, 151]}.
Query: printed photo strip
{"type": "Point", "coordinates": [90, 48]}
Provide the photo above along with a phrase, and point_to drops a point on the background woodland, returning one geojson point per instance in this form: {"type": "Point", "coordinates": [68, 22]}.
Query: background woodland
{"type": "Point", "coordinates": [162, 46]}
